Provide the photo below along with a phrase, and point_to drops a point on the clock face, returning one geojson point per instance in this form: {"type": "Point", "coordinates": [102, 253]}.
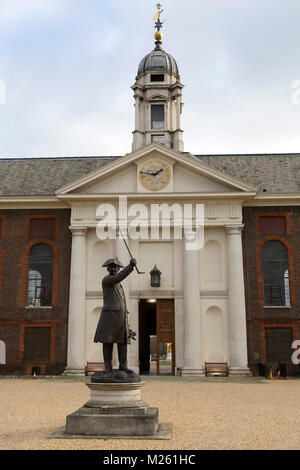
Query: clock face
{"type": "Point", "coordinates": [155, 174]}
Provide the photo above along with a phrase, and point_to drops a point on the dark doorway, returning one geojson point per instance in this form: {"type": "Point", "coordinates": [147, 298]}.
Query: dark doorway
{"type": "Point", "coordinates": [157, 337]}
{"type": "Point", "coordinates": [147, 330]}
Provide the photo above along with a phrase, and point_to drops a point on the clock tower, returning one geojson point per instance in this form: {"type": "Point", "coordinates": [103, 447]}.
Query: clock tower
{"type": "Point", "coordinates": [158, 97]}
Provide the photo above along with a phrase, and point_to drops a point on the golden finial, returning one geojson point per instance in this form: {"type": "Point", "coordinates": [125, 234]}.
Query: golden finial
{"type": "Point", "coordinates": [158, 24]}
{"type": "Point", "coordinates": [155, 18]}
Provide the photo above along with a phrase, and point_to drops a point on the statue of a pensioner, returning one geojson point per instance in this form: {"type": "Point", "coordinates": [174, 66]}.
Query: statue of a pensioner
{"type": "Point", "coordinates": [113, 323]}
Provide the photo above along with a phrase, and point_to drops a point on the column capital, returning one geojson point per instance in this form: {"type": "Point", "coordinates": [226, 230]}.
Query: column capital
{"type": "Point", "coordinates": [234, 229]}
{"type": "Point", "coordinates": [78, 231]}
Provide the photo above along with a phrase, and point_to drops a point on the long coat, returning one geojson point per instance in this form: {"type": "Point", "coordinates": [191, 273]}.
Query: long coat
{"type": "Point", "coordinates": [113, 324]}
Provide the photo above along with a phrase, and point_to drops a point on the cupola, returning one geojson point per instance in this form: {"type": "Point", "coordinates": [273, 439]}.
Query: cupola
{"type": "Point", "coordinates": [158, 97]}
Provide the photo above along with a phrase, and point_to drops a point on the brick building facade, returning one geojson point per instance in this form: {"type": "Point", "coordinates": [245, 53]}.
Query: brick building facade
{"type": "Point", "coordinates": [271, 328]}
{"type": "Point", "coordinates": [33, 335]}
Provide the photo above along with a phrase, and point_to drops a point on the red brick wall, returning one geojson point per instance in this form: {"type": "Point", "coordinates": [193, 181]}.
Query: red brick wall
{"type": "Point", "coordinates": [259, 317]}
{"type": "Point", "coordinates": [15, 244]}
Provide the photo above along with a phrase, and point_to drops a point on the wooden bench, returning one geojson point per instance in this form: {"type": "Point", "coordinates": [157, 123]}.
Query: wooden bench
{"type": "Point", "coordinates": [216, 369]}
{"type": "Point", "coordinates": [94, 367]}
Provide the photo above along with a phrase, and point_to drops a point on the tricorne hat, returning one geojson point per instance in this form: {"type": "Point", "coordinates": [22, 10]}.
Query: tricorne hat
{"type": "Point", "coordinates": [114, 261]}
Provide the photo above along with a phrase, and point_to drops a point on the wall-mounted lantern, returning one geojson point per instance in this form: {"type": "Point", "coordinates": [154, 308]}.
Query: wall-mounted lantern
{"type": "Point", "coordinates": [155, 277]}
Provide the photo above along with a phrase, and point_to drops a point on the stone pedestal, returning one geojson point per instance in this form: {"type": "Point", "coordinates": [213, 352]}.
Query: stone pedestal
{"type": "Point", "coordinates": [115, 410]}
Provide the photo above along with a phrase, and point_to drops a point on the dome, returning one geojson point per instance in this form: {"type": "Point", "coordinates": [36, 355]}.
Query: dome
{"type": "Point", "coordinates": [158, 61]}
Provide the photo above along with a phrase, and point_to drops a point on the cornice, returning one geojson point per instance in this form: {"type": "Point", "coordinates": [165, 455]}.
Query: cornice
{"type": "Point", "coordinates": [275, 199]}
{"type": "Point", "coordinates": [161, 294]}
{"type": "Point", "coordinates": [197, 196]}
{"type": "Point", "coordinates": [47, 202]}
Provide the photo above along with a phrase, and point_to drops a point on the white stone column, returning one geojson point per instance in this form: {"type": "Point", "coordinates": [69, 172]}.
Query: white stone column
{"type": "Point", "coordinates": [179, 332]}
{"type": "Point", "coordinates": [192, 326]}
{"type": "Point", "coordinates": [137, 113]}
{"type": "Point", "coordinates": [178, 111]}
{"type": "Point", "coordinates": [236, 302]}
{"type": "Point", "coordinates": [123, 255]}
{"type": "Point", "coordinates": [76, 322]}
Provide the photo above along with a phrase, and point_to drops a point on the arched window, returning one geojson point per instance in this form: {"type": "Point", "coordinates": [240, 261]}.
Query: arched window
{"type": "Point", "coordinates": [40, 276]}
{"type": "Point", "coordinates": [275, 271]}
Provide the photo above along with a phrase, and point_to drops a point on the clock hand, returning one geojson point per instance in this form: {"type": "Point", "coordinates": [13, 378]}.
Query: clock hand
{"type": "Point", "coordinates": [147, 173]}
{"type": "Point", "coordinates": [153, 174]}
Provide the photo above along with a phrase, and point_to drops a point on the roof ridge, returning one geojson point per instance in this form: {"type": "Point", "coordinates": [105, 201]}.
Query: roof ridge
{"type": "Point", "coordinates": [100, 157]}
{"type": "Point", "coordinates": [294, 154]}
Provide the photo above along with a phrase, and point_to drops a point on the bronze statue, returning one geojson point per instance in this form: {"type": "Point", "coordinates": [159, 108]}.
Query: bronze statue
{"type": "Point", "coordinates": [113, 324]}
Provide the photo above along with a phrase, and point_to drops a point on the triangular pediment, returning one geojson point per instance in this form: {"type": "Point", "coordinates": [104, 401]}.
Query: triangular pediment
{"type": "Point", "coordinates": [189, 175]}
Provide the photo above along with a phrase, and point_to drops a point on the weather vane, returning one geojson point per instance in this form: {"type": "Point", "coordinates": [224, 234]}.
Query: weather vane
{"type": "Point", "coordinates": [158, 24]}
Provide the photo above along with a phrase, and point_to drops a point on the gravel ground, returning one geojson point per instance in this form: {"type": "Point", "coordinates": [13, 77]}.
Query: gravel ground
{"type": "Point", "coordinates": [231, 413]}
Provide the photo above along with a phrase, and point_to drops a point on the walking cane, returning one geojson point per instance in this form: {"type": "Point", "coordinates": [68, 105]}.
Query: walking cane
{"type": "Point", "coordinates": [137, 270]}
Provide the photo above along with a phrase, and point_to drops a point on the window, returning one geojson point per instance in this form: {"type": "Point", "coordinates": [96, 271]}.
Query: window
{"type": "Point", "coordinates": [160, 139]}
{"type": "Point", "coordinates": [286, 278]}
{"type": "Point", "coordinates": [157, 78]}
{"type": "Point", "coordinates": [40, 276]}
{"type": "Point", "coordinates": [275, 271]}
{"type": "Point", "coordinates": [34, 288]}
{"type": "Point", "coordinates": [272, 225]}
{"type": "Point", "coordinates": [157, 116]}
{"type": "Point", "coordinates": [42, 227]}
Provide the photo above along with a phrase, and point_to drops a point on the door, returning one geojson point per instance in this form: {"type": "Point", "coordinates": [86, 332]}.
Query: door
{"type": "Point", "coordinates": [147, 336]}
{"type": "Point", "coordinates": [165, 337]}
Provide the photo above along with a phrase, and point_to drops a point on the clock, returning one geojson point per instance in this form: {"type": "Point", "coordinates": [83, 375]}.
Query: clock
{"type": "Point", "coordinates": [155, 174]}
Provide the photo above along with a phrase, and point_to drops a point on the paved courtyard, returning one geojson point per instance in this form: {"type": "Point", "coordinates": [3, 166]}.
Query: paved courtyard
{"type": "Point", "coordinates": [214, 413]}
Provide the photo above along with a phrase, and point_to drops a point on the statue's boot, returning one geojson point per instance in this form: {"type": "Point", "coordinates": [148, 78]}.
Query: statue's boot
{"type": "Point", "coordinates": [122, 353]}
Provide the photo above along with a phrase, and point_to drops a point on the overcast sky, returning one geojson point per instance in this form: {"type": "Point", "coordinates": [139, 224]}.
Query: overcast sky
{"type": "Point", "coordinates": [67, 66]}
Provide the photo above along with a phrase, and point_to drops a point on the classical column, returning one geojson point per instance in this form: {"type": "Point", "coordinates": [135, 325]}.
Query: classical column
{"type": "Point", "coordinates": [76, 324]}
{"type": "Point", "coordinates": [137, 113]}
{"type": "Point", "coordinates": [192, 327]}
{"type": "Point", "coordinates": [236, 302]}
{"type": "Point", "coordinates": [122, 254]}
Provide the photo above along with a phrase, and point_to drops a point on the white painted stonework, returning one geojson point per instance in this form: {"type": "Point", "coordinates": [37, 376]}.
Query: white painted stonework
{"type": "Point", "coordinates": [117, 393]}
{"type": "Point", "coordinates": [206, 285]}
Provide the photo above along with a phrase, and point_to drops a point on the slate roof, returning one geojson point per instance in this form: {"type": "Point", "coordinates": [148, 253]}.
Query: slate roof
{"type": "Point", "coordinates": [273, 173]}
{"type": "Point", "coordinates": [42, 176]}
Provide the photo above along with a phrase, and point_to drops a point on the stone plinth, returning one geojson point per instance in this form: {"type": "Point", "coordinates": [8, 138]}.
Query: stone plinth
{"type": "Point", "coordinates": [115, 410]}
{"type": "Point", "coordinates": [115, 395]}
